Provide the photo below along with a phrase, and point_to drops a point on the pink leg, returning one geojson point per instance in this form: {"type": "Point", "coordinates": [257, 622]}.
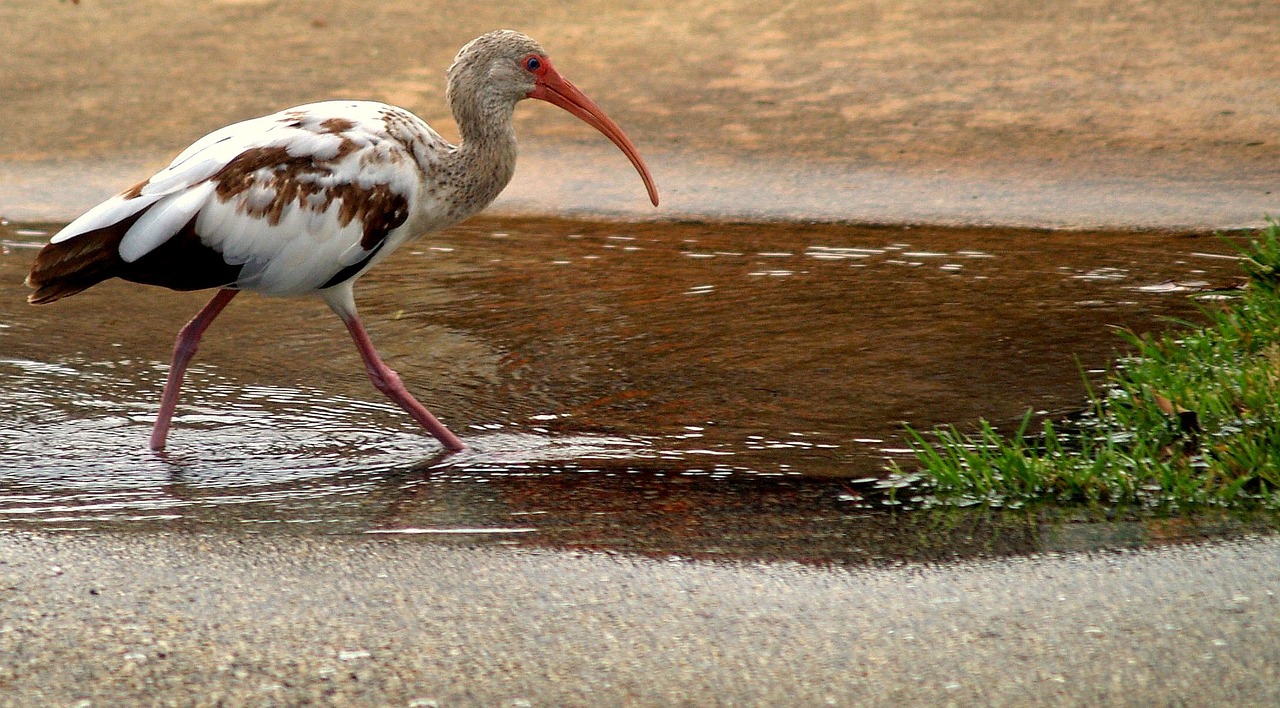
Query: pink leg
{"type": "Point", "coordinates": [388, 382]}
{"type": "Point", "coordinates": [188, 342]}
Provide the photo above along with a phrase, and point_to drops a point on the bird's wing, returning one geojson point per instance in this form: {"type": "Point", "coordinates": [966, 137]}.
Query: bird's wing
{"type": "Point", "coordinates": [287, 203]}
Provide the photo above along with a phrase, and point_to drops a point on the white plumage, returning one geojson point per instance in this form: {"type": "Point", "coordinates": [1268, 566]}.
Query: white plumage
{"type": "Point", "coordinates": [306, 243]}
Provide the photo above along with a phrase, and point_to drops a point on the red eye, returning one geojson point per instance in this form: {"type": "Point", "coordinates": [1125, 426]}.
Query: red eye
{"type": "Point", "coordinates": [532, 63]}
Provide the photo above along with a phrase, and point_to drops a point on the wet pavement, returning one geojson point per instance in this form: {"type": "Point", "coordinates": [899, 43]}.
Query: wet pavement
{"type": "Point", "coordinates": [659, 507]}
{"type": "Point", "coordinates": [613, 380]}
{"type": "Point", "coordinates": [679, 421]}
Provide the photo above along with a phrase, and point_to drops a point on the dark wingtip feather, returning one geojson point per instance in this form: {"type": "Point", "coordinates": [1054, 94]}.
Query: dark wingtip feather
{"type": "Point", "coordinates": [57, 291]}
{"type": "Point", "coordinates": [65, 268]}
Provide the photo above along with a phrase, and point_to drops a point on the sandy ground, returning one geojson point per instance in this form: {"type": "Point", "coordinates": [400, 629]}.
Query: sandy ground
{"type": "Point", "coordinates": [1088, 113]}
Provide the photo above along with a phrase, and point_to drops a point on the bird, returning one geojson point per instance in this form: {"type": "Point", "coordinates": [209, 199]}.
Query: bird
{"type": "Point", "coordinates": [304, 201]}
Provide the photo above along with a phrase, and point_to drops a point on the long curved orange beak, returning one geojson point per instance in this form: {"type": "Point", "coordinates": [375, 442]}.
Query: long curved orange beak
{"type": "Point", "coordinates": [555, 89]}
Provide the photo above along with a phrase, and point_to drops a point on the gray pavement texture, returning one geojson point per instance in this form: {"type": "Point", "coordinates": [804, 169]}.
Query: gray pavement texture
{"type": "Point", "coordinates": [278, 620]}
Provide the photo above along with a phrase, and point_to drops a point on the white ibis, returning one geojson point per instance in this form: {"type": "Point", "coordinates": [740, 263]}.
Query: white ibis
{"type": "Point", "coordinates": [306, 200]}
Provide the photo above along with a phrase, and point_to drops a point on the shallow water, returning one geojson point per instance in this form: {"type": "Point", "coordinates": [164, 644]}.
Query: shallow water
{"type": "Point", "coordinates": [673, 388]}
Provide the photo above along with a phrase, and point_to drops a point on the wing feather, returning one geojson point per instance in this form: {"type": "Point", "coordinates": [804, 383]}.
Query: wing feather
{"type": "Point", "coordinates": [286, 203]}
{"type": "Point", "coordinates": [162, 220]}
{"type": "Point", "coordinates": [112, 211]}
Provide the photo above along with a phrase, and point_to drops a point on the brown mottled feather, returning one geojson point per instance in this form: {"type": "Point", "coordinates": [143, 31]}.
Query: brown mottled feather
{"type": "Point", "coordinates": [295, 179]}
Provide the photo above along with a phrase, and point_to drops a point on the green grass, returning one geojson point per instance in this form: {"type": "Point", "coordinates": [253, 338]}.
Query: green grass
{"type": "Point", "coordinates": [1192, 419]}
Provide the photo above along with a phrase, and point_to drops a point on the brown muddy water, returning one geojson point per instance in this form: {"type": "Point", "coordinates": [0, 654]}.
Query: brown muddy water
{"type": "Point", "coordinates": [688, 389]}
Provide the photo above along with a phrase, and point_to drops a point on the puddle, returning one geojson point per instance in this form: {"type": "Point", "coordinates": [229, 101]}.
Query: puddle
{"type": "Point", "coordinates": [673, 388]}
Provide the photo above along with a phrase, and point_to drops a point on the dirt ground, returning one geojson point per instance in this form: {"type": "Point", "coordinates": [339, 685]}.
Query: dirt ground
{"type": "Point", "coordinates": [1175, 95]}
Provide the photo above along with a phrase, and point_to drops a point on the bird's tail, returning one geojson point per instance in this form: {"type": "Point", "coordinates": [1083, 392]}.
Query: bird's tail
{"type": "Point", "coordinates": [64, 268]}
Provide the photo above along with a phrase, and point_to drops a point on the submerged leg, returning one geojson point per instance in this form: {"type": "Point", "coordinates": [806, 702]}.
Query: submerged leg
{"type": "Point", "coordinates": [188, 342]}
{"type": "Point", "coordinates": [388, 382]}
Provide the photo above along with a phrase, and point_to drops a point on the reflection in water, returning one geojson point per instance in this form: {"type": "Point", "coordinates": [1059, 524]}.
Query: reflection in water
{"type": "Point", "coordinates": [689, 389]}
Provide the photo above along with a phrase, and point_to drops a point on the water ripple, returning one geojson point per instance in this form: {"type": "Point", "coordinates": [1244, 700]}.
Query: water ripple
{"type": "Point", "coordinates": [278, 453]}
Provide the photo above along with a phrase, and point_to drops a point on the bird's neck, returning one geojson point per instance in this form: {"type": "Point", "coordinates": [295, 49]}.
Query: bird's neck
{"type": "Point", "coordinates": [482, 165]}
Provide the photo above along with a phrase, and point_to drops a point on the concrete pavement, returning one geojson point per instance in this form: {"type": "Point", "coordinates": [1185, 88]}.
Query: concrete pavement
{"type": "Point", "coordinates": [232, 619]}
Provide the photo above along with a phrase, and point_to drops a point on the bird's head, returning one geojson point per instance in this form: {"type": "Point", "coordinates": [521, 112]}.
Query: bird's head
{"type": "Point", "coordinates": [496, 70]}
